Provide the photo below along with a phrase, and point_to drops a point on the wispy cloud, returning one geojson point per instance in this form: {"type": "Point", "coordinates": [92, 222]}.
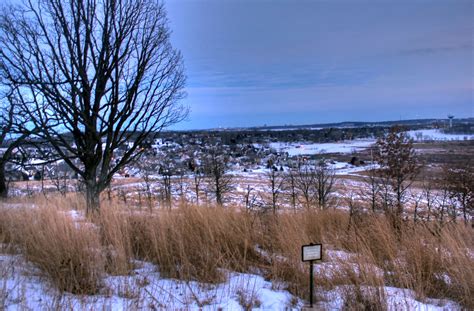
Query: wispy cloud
{"type": "Point", "coordinates": [260, 62]}
{"type": "Point", "coordinates": [440, 49]}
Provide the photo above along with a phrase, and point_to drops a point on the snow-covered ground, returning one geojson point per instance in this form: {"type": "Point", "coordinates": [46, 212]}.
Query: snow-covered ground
{"type": "Point", "coordinates": [435, 134]}
{"type": "Point", "coordinates": [23, 288]}
{"type": "Point", "coordinates": [349, 146]}
{"type": "Point", "coordinates": [340, 168]}
{"type": "Point", "coordinates": [396, 299]}
{"type": "Point", "coordinates": [291, 129]}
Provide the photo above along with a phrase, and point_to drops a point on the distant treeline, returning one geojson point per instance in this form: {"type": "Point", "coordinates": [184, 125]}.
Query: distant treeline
{"type": "Point", "coordinates": [343, 131]}
{"type": "Point", "coordinates": [232, 137]}
{"type": "Point", "coordinates": [460, 128]}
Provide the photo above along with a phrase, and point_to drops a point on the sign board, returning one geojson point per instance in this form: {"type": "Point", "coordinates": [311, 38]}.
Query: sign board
{"type": "Point", "coordinates": [311, 252]}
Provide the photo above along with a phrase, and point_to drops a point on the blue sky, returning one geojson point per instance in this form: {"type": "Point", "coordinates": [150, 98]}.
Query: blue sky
{"type": "Point", "coordinates": [256, 62]}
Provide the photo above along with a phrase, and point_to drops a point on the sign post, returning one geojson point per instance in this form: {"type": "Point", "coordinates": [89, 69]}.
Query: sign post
{"type": "Point", "coordinates": [311, 252]}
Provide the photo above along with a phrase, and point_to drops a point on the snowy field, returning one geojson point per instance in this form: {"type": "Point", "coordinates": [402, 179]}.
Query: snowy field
{"type": "Point", "coordinates": [351, 146]}
{"type": "Point", "coordinates": [295, 149]}
{"type": "Point", "coordinates": [340, 168]}
{"type": "Point", "coordinates": [291, 129]}
{"type": "Point", "coordinates": [23, 288]}
{"type": "Point", "coordinates": [434, 134]}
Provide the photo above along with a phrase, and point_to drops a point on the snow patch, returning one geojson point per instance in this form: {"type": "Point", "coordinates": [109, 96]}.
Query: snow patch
{"type": "Point", "coordinates": [295, 149]}
{"type": "Point", "coordinates": [435, 134]}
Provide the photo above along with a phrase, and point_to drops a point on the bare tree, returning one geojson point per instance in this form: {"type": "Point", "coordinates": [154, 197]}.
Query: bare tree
{"type": "Point", "coordinates": [276, 181]}
{"type": "Point", "coordinates": [198, 177]}
{"type": "Point", "coordinates": [166, 174]}
{"type": "Point", "coordinates": [355, 209]}
{"type": "Point", "coordinates": [58, 178]}
{"type": "Point", "coordinates": [304, 184]}
{"type": "Point", "coordinates": [147, 169]}
{"type": "Point", "coordinates": [12, 135]}
{"type": "Point", "coordinates": [372, 185]}
{"type": "Point", "coordinates": [398, 161]}
{"type": "Point", "coordinates": [443, 201]}
{"type": "Point", "coordinates": [459, 181]}
{"type": "Point", "coordinates": [219, 181]}
{"type": "Point", "coordinates": [291, 186]}
{"type": "Point", "coordinates": [93, 75]}
{"type": "Point", "coordinates": [251, 200]}
{"type": "Point", "coordinates": [385, 193]}
{"type": "Point", "coordinates": [430, 197]}
{"type": "Point", "coordinates": [181, 182]}
{"type": "Point", "coordinates": [373, 189]}
{"type": "Point", "coordinates": [416, 198]}
{"type": "Point", "coordinates": [324, 178]}
{"type": "Point", "coordinates": [313, 183]}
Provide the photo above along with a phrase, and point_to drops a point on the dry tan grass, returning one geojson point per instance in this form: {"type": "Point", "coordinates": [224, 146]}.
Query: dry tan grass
{"type": "Point", "coordinates": [193, 242]}
{"type": "Point", "coordinates": [116, 238]}
{"type": "Point", "coordinates": [432, 262]}
{"type": "Point", "coordinates": [69, 253]}
{"type": "Point", "coordinates": [196, 243]}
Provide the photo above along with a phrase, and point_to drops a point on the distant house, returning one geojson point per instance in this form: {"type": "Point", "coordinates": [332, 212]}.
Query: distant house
{"type": "Point", "coordinates": [356, 161]}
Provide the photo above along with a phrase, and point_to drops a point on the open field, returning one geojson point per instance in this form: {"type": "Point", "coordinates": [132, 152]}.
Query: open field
{"type": "Point", "coordinates": [144, 252]}
{"type": "Point", "coordinates": [351, 180]}
{"type": "Point", "coordinates": [211, 257]}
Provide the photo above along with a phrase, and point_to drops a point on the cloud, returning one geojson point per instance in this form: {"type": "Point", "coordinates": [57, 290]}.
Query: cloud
{"type": "Point", "coordinates": [435, 50]}
{"type": "Point", "coordinates": [262, 61]}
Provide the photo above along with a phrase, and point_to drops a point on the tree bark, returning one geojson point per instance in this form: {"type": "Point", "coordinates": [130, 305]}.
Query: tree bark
{"type": "Point", "coordinates": [92, 197]}
{"type": "Point", "coordinates": [105, 75]}
{"type": "Point", "coordinates": [218, 193]}
{"type": "Point", "coordinates": [3, 183]}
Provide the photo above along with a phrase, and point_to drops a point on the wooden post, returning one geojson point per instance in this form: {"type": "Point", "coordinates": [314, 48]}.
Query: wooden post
{"type": "Point", "coordinates": [311, 253]}
{"type": "Point", "coordinates": [311, 283]}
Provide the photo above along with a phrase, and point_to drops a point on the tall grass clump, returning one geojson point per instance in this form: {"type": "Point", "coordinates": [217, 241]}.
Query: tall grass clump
{"type": "Point", "coordinates": [5, 238]}
{"type": "Point", "coordinates": [195, 243]}
{"type": "Point", "coordinates": [201, 243]}
{"type": "Point", "coordinates": [458, 248]}
{"type": "Point", "coordinates": [285, 233]}
{"type": "Point", "coordinates": [431, 262]}
{"type": "Point", "coordinates": [439, 265]}
{"type": "Point", "coordinates": [68, 252]}
{"type": "Point", "coordinates": [116, 238]}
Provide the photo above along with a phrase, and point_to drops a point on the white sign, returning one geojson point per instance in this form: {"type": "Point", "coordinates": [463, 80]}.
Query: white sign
{"type": "Point", "coordinates": [311, 252]}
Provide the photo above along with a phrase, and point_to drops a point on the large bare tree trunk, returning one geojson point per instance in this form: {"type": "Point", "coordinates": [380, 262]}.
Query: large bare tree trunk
{"type": "Point", "coordinates": [92, 197]}
{"type": "Point", "coordinates": [3, 183]}
{"type": "Point", "coordinates": [218, 194]}
{"type": "Point", "coordinates": [104, 75]}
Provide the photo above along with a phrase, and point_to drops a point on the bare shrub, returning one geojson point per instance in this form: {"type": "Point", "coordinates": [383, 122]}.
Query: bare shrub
{"type": "Point", "coordinates": [248, 301]}
{"type": "Point", "coordinates": [368, 299]}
